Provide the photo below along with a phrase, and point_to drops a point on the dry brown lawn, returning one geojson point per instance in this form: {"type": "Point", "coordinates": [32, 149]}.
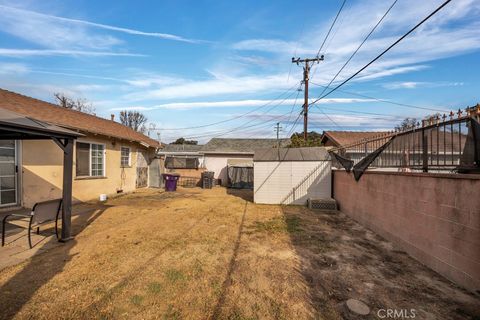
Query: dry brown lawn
{"type": "Point", "coordinates": [200, 254]}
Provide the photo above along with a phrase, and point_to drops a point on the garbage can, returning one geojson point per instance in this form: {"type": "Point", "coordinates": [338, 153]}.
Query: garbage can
{"type": "Point", "coordinates": [170, 181]}
{"type": "Point", "coordinates": [207, 179]}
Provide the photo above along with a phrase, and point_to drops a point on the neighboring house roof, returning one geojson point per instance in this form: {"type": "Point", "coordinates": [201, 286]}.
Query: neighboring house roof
{"type": "Point", "coordinates": [292, 154]}
{"type": "Point", "coordinates": [71, 119]}
{"type": "Point", "coordinates": [240, 146]}
{"type": "Point", "coordinates": [181, 148]}
{"type": "Point", "coordinates": [344, 138]}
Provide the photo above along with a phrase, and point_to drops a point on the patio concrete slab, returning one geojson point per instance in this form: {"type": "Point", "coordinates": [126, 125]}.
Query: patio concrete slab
{"type": "Point", "coordinates": [17, 250]}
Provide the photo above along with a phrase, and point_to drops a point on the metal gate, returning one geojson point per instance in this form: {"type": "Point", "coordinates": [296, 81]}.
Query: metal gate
{"type": "Point", "coordinates": [142, 170]}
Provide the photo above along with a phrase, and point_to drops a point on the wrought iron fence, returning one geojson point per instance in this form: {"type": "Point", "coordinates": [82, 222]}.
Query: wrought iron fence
{"type": "Point", "coordinates": [440, 143]}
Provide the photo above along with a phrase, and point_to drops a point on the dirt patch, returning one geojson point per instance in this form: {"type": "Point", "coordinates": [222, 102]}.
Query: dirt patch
{"type": "Point", "coordinates": [212, 254]}
{"type": "Point", "coordinates": [359, 264]}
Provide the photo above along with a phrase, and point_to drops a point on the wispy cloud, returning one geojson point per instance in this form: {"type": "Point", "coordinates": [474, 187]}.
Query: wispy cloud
{"type": "Point", "coordinates": [18, 53]}
{"type": "Point", "coordinates": [220, 84]}
{"type": "Point", "coordinates": [269, 45]}
{"type": "Point", "coordinates": [13, 68]}
{"type": "Point", "coordinates": [453, 32]}
{"type": "Point", "coordinates": [40, 18]}
{"type": "Point", "coordinates": [420, 84]}
{"type": "Point", "coordinates": [50, 33]}
{"type": "Point", "coordinates": [235, 103]}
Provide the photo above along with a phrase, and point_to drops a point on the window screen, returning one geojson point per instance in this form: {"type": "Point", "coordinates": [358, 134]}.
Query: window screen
{"type": "Point", "coordinates": [90, 159]}
{"type": "Point", "coordinates": [181, 163]}
{"type": "Point", "coordinates": [97, 160]}
{"type": "Point", "coordinates": [83, 159]}
{"type": "Point", "coordinates": [125, 157]}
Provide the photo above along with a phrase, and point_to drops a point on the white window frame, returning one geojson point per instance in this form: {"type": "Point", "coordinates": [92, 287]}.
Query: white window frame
{"type": "Point", "coordinates": [129, 164]}
{"type": "Point", "coordinates": [90, 159]}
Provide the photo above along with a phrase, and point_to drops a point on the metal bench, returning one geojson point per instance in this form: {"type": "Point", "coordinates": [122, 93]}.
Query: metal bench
{"type": "Point", "coordinates": [42, 213]}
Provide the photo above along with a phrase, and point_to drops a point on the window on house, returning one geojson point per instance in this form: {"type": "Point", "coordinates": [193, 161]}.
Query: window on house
{"type": "Point", "coordinates": [125, 157]}
{"type": "Point", "coordinates": [181, 163]}
{"type": "Point", "coordinates": [90, 159]}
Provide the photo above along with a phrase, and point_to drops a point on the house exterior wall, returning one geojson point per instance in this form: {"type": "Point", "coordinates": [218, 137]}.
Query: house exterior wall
{"type": "Point", "coordinates": [218, 164]}
{"type": "Point", "coordinates": [191, 173]}
{"type": "Point", "coordinates": [291, 182]}
{"type": "Point", "coordinates": [435, 218]}
{"type": "Point", "coordinates": [42, 171]}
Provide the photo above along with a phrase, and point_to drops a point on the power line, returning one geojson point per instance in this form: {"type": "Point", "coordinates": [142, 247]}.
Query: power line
{"type": "Point", "coordinates": [328, 117]}
{"type": "Point", "coordinates": [360, 112]}
{"type": "Point", "coordinates": [295, 103]}
{"type": "Point", "coordinates": [331, 27]}
{"type": "Point", "coordinates": [306, 75]}
{"type": "Point", "coordinates": [328, 34]}
{"type": "Point", "coordinates": [233, 118]}
{"type": "Point", "coordinates": [358, 48]}
{"type": "Point", "coordinates": [244, 124]}
{"type": "Point", "coordinates": [295, 51]}
{"type": "Point", "coordinates": [240, 128]}
{"type": "Point", "coordinates": [382, 100]}
{"type": "Point", "coordinates": [385, 51]}
{"type": "Point", "coordinates": [294, 125]}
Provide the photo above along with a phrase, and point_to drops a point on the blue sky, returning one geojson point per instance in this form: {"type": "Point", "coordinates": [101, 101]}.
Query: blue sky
{"type": "Point", "coordinates": [191, 63]}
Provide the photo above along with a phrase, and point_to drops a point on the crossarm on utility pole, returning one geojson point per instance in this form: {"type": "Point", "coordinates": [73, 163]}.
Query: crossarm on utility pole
{"type": "Point", "coordinates": [306, 75]}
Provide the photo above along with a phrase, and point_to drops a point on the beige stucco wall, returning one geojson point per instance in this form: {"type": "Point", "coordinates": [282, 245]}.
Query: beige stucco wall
{"type": "Point", "coordinates": [42, 171]}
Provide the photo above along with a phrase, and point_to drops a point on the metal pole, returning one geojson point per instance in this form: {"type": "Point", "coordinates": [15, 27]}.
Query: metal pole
{"type": "Point", "coordinates": [425, 151]}
{"type": "Point", "coordinates": [277, 129]}
{"type": "Point", "coordinates": [67, 190]}
{"type": "Point", "coordinates": [306, 70]}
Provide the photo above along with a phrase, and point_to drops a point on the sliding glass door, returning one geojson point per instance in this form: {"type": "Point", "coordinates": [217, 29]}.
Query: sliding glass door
{"type": "Point", "coordinates": [8, 173]}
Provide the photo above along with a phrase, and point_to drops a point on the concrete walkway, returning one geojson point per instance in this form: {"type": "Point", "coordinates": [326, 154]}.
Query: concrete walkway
{"type": "Point", "coordinates": [16, 248]}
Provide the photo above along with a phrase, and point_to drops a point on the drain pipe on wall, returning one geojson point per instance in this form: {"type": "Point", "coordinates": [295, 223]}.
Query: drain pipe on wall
{"type": "Point", "coordinates": [332, 194]}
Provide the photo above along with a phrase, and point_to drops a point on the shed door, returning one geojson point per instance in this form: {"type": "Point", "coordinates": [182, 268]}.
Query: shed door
{"type": "Point", "coordinates": [142, 170]}
{"type": "Point", "coordinates": [8, 173]}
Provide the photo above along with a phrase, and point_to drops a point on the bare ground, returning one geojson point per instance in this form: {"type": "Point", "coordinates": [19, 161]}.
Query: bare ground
{"type": "Point", "coordinates": [198, 254]}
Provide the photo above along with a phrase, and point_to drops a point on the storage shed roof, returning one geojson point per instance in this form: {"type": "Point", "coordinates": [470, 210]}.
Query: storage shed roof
{"type": "Point", "coordinates": [292, 154]}
{"type": "Point", "coordinates": [246, 146]}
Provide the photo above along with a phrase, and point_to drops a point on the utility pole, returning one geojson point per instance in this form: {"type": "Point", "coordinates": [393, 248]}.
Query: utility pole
{"type": "Point", "coordinates": [278, 129]}
{"type": "Point", "coordinates": [306, 73]}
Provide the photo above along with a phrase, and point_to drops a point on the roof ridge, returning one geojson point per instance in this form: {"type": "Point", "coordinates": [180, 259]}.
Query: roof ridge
{"type": "Point", "coordinates": [62, 108]}
{"type": "Point", "coordinates": [76, 112]}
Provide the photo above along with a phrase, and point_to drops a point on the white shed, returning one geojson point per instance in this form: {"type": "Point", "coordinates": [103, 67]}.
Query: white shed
{"type": "Point", "coordinates": [291, 175]}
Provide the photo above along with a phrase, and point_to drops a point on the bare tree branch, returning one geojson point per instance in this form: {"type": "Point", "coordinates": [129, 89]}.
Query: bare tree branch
{"type": "Point", "coordinates": [134, 120]}
{"type": "Point", "coordinates": [81, 105]}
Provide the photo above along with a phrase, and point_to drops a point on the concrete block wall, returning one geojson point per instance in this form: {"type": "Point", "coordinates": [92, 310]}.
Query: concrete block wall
{"type": "Point", "coordinates": [435, 218]}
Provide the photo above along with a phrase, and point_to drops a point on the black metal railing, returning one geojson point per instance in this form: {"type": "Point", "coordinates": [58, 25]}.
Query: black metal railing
{"type": "Point", "coordinates": [437, 144]}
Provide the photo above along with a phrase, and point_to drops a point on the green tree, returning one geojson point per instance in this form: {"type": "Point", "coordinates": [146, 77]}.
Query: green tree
{"type": "Point", "coordinates": [183, 141]}
{"type": "Point", "coordinates": [314, 139]}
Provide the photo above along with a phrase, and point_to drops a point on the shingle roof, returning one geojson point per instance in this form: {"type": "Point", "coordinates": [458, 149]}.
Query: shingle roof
{"type": "Point", "coordinates": [181, 148]}
{"type": "Point", "coordinates": [343, 138]}
{"type": "Point", "coordinates": [292, 154]}
{"type": "Point", "coordinates": [226, 145]}
{"type": "Point", "coordinates": [70, 119]}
